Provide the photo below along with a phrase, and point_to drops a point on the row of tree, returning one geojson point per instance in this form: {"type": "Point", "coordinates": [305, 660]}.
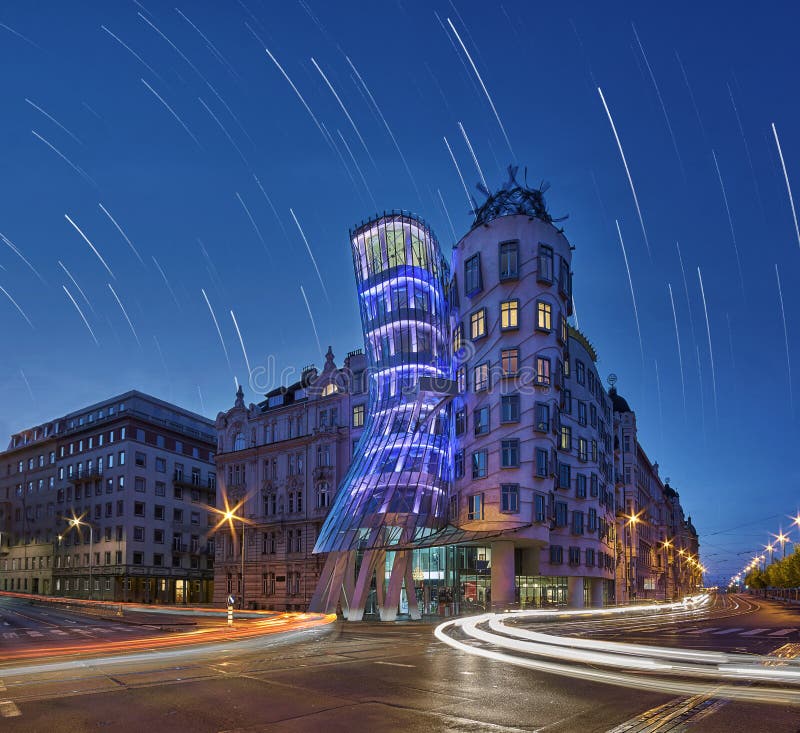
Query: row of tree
{"type": "Point", "coordinates": [783, 573]}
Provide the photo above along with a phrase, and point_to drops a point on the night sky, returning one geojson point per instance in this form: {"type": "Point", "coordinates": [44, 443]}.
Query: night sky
{"type": "Point", "coordinates": [194, 142]}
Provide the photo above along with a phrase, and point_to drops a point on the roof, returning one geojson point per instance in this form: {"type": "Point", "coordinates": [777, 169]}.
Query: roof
{"type": "Point", "coordinates": [619, 403]}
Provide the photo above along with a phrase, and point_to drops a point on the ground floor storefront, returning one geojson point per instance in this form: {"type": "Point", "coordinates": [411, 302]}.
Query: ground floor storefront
{"type": "Point", "coordinates": [135, 588]}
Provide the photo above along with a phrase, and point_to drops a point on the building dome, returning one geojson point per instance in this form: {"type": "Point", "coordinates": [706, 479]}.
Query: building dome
{"type": "Point", "coordinates": [620, 403]}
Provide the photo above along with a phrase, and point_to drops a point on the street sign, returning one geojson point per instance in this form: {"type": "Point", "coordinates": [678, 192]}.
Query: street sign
{"type": "Point", "coordinates": [231, 600]}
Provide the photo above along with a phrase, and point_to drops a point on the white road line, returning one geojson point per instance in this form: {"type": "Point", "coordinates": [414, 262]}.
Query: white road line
{"type": "Point", "coordinates": [783, 632]}
{"type": "Point", "coordinates": [8, 709]}
{"type": "Point", "coordinates": [728, 631]}
{"type": "Point", "coordinates": [753, 632]}
{"type": "Point", "coordinates": [396, 664]}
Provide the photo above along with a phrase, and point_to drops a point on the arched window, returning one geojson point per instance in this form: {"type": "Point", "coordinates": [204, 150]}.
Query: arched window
{"type": "Point", "coordinates": [238, 442]}
{"type": "Point", "coordinates": [329, 389]}
{"type": "Point", "coordinates": [323, 495]}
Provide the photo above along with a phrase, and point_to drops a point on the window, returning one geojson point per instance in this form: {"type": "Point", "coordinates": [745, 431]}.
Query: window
{"type": "Point", "coordinates": [480, 420]}
{"type": "Point", "coordinates": [563, 329]}
{"type": "Point", "coordinates": [580, 485]}
{"type": "Point", "coordinates": [564, 471]}
{"type": "Point", "coordinates": [161, 488]}
{"type": "Point", "coordinates": [358, 416]}
{"type": "Point", "coordinates": [461, 379]}
{"type": "Point", "coordinates": [581, 412]}
{"type": "Point", "coordinates": [458, 464]}
{"type": "Point", "coordinates": [544, 316]}
{"type": "Point", "coordinates": [473, 281]}
{"type": "Point", "coordinates": [238, 442]}
{"type": "Point", "coordinates": [509, 408]}
{"type": "Point", "coordinates": [509, 362]}
{"type": "Point", "coordinates": [477, 324]}
{"type": "Point", "coordinates": [591, 523]}
{"type": "Point", "coordinates": [323, 495]}
{"type": "Point", "coordinates": [509, 453]}
{"type": "Point", "coordinates": [545, 264]}
{"type": "Point", "coordinates": [461, 421]}
{"type": "Point", "coordinates": [138, 508]}
{"type": "Point", "coordinates": [138, 534]}
{"type": "Point", "coordinates": [577, 522]}
{"type": "Point", "coordinates": [556, 554]}
{"type": "Point", "coordinates": [542, 378]}
{"type": "Point", "coordinates": [541, 422]}
{"type": "Point", "coordinates": [481, 377]}
{"type": "Point", "coordinates": [593, 490]}
{"type": "Point", "coordinates": [140, 459]}
{"type": "Point", "coordinates": [561, 514]}
{"type": "Point", "coordinates": [158, 511]}
{"type": "Point", "coordinates": [509, 498]}
{"type": "Point", "coordinates": [583, 449]}
{"type": "Point", "coordinates": [458, 338]}
{"type": "Point", "coordinates": [539, 508]}
{"type": "Point", "coordinates": [475, 507]}
{"type": "Point", "coordinates": [161, 465]}
{"type": "Point", "coordinates": [542, 462]}
{"type": "Point", "coordinates": [574, 555]}
{"type": "Point", "coordinates": [479, 464]}
{"type": "Point", "coordinates": [589, 557]}
{"type": "Point", "coordinates": [509, 314]}
{"type": "Point", "coordinates": [580, 372]}
{"type": "Point", "coordinates": [509, 260]}
{"type": "Point", "coordinates": [138, 558]}
{"type": "Point", "coordinates": [565, 442]}
{"type": "Point", "coordinates": [139, 483]}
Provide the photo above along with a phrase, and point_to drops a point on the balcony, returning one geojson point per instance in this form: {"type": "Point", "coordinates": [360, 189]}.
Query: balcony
{"type": "Point", "coordinates": [79, 477]}
{"type": "Point", "coordinates": [192, 481]}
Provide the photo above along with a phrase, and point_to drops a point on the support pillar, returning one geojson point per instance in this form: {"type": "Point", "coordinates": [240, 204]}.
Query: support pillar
{"type": "Point", "coordinates": [502, 575]}
{"type": "Point", "coordinates": [597, 592]}
{"type": "Point", "coordinates": [575, 591]}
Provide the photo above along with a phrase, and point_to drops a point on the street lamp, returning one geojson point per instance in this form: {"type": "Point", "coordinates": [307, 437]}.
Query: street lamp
{"type": "Point", "coordinates": [783, 539]}
{"type": "Point", "coordinates": [77, 522]}
{"type": "Point", "coordinates": [632, 520]}
{"type": "Point", "coordinates": [229, 516]}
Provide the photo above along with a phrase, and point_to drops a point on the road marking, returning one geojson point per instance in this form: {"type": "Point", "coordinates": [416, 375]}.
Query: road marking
{"type": "Point", "coordinates": [753, 632]}
{"type": "Point", "coordinates": [728, 631]}
{"type": "Point", "coordinates": [34, 633]}
{"type": "Point", "coordinates": [8, 709]}
{"type": "Point", "coordinates": [783, 632]}
{"type": "Point", "coordinates": [706, 630]}
{"type": "Point", "coordinates": [396, 664]}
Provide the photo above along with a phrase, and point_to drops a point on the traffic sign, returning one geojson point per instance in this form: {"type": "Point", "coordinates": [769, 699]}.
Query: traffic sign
{"type": "Point", "coordinates": [231, 600]}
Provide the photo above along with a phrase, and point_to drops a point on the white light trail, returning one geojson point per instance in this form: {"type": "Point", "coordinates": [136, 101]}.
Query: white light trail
{"type": "Point", "coordinates": [80, 313]}
{"type": "Point", "coordinates": [785, 340]}
{"type": "Point", "coordinates": [174, 47]}
{"type": "Point", "coordinates": [16, 305]}
{"type": "Point", "coordinates": [730, 221]}
{"type": "Point", "coordinates": [28, 385]}
{"type": "Point", "coordinates": [219, 331]}
{"type": "Point", "coordinates": [310, 254]}
{"type": "Point", "coordinates": [660, 99]}
{"type": "Point", "coordinates": [214, 50]}
{"type": "Point", "coordinates": [166, 281]}
{"type": "Point", "coordinates": [124, 313]}
{"type": "Point", "coordinates": [627, 171]}
{"type": "Point", "coordinates": [691, 94]}
{"type": "Point", "coordinates": [461, 178]}
{"type": "Point", "coordinates": [344, 109]}
{"type": "Point", "coordinates": [786, 178]}
{"type": "Point", "coordinates": [272, 206]}
{"type": "Point", "coordinates": [358, 168]}
{"type": "Point", "coordinates": [483, 86]}
{"type": "Point", "coordinates": [474, 157]}
{"type": "Point", "coordinates": [386, 125]}
{"type": "Point", "coordinates": [13, 247]}
{"type": "Point", "coordinates": [174, 114]}
{"type": "Point", "coordinates": [134, 54]}
{"type": "Point", "coordinates": [710, 349]}
{"type": "Point", "coordinates": [633, 295]}
{"type": "Point", "coordinates": [119, 229]}
{"type": "Point", "coordinates": [202, 402]}
{"type": "Point", "coordinates": [20, 36]}
{"type": "Point", "coordinates": [244, 351]}
{"type": "Point", "coordinates": [82, 173]}
{"type": "Point", "coordinates": [78, 287]}
{"type": "Point", "coordinates": [311, 318]}
{"type": "Point", "coordinates": [702, 398]}
{"type": "Point", "coordinates": [54, 121]}
{"type": "Point", "coordinates": [91, 246]}
{"type": "Point", "coordinates": [227, 134]}
{"type": "Point", "coordinates": [678, 341]}
{"type": "Point", "coordinates": [163, 361]}
{"type": "Point", "coordinates": [447, 214]}
{"type": "Point", "coordinates": [254, 225]}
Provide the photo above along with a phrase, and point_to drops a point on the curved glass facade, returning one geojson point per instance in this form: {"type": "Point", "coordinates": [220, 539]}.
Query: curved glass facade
{"type": "Point", "coordinates": [396, 489]}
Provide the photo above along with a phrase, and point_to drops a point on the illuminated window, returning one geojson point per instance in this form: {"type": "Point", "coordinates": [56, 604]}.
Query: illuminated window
{"type": "Point", "coordinates": [481, 377]}
{"type": "Point", "coordinates": [375, 255]}
{"type": "Point", "coordinates": [542, 371]}
{"type": "Point", "coordinates": [329, 389]}
{"type": "Point", "coordinates": [544, 316]}
{"type": "Point", "coordinates": [396, 246]}
{"type": "Point", "coordinates": [477, 324]}
{"type": "Point", "coordinates": [509, 362]}
{"type": "Point", "coordinates": [583, 449]}
{"type": "Point", "coordinates": [358, 416]}
{"type": "Point", "coordinates": [475, 507]}
{"type": "Point", "coordinates": [419, 253]}
{"type": "Point", "coordinates": [565, 442]}
{"type": "Point", "coordinates": [458, 338]}
{"type": "Point", "coordinates": [509, 314]}
{"type": "Point", "coordinates": [563, 329]}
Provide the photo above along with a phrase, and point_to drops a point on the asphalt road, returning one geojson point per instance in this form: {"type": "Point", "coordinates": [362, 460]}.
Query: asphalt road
{"type": "Point", "coordinates": [370, 677]}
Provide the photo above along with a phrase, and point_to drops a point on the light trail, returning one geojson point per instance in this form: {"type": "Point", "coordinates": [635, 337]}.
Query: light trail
{"type": "Point", "coordinates": [214, 50]}
{"type": "Point", "coordinates": [633, 295]}
{"type": "Point", "coordinates": [710, 348]}
{"type": "Point", "coordinates": [134, 54]}
{"type": "Point", "coordinates": [474, 157]}
{"type": "Point", "coordinates": [202, 402]}
{"type": "Point", "coordinates": [310, 254]}
{"type": "Point", "coordinates": [786, 178]}
{"type": "Point", "coordinates": [730, 222]}
{"type": "Point", "coordinates": [483, 86]}
{"type": "Point", "coordinates": [254, 225]}
{"type": "Point", "coordinates": [627, 171]}
{"type": "Point", "coordinates": [472, 204]}
{"type": "Point", "coordinates": [124, 313]}
{"type": "Point", "coordinates": [219, 331]}
{"type": "Point", "coordinates": [244, 351]}
{"type": "Point", "coordinates": [54, 121]}
{"type": "Point", "coordinates": [358, 168]}
{"type": "Point", "coordinates": [78, 287]}
{"type": "Point", "coordinates": [173, 113]}
{"type": "Point", "coordinates": [678, 341]}
{"type": "Point", "coordinates": [119, 229]}
{"type": "Point", "coordinates": [311, 318]}
{"type": "Point", "coordinates": [17, 306]}
{"type": "Point", "coordinates": [691, 95]}
{"type": "Point", "coordinates": [344, 109]}
{"type": "Point", "coordinates": [20, 36]}
{"type": "Point", "coordinates": [166, 281]}
{"type": "Point", "coordinates": [91, 246]}
{"type": "Point", "coordinates": [447, 214]}
{"type": "Point", "coordinates": [272, 206]}
{"type": "Point", "coordinates": [28, 385]}
{"type": "Point", "coordinates": [746, 146]}
{"type": "Point", "coordinates": [227, 134]}
{"type": "Point", "coordinates": [13, 247]}
{"type": "Point", "coordinates": [785, 339]}
{"type": "Point", "coordinates": [82, 173]}
{"type": "Point", "coordinates": [80, 313]}
{"type": "Point", "coordinates": [174, 48]}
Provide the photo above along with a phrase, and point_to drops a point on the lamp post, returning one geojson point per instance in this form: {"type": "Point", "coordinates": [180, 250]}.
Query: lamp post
{"type": "Point", "coordinates": [667, 545]}
{"type": "Point", "coordinates": [632, 520]}
{"type": "Point", "coordinates": [783, 539]}
{"type": "Point", "coordinates": [230, 516]}
{"type": "Point", "coordinates": [78, 522]}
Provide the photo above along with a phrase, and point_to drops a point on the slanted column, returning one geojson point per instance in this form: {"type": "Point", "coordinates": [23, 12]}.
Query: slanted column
{"type": "Point", "coordinates": [502, 575]}
{"type": "Point", "coordinates": [597, 592]}
{"type": "Point", "coordinates": [575, 591]}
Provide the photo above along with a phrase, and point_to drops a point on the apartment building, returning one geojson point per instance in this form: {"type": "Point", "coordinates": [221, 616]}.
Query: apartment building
{"type": "Point", "coordinates": [111, 502]}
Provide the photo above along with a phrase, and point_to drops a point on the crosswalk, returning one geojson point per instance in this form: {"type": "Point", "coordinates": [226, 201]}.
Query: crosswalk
{"type": "Point", "coordinates": [44, 634]}
{"type": "Point", "coordinates": [741, 631]}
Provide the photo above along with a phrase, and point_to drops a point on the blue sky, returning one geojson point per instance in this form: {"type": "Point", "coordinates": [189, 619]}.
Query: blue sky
{"type": "Point", "coordinates": [182, 183]}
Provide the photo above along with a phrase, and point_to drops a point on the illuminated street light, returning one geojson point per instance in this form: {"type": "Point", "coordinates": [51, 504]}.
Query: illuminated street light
{"type": "Point", "coordinates": [230, 516]}
{"type": "Point", "coordinates": [77, 523]}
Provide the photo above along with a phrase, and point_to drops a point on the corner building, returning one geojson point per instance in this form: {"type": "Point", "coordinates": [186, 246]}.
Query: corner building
{"type": "Point", "coordinates": [532, 421]}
